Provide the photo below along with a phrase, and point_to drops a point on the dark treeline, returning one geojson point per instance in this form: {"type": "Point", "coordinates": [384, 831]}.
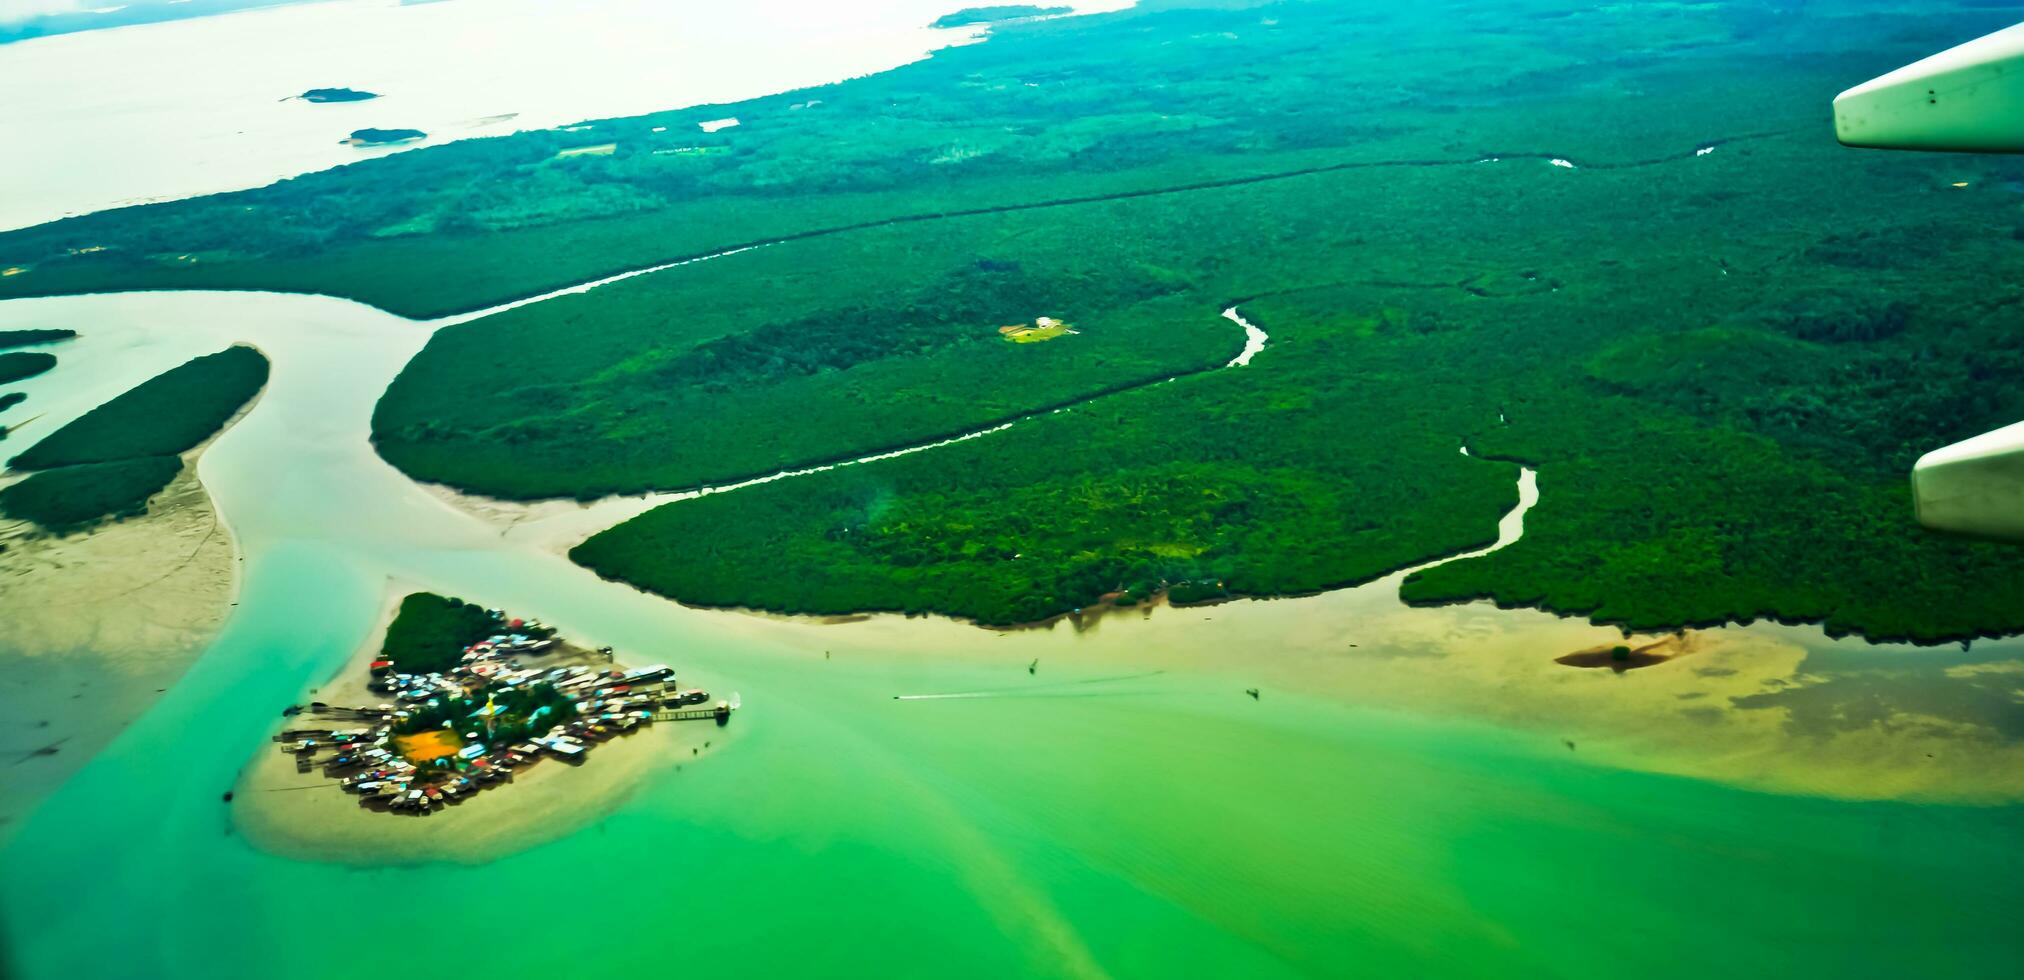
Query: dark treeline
{"type": "Point", "coordinates": [10, 339]}
{"type": "Point", "coordinates": [19, 365]}
{"type": "Point", "coordinates": [985, 15]}
{"type": "Point", "coordinates": [429, 632]}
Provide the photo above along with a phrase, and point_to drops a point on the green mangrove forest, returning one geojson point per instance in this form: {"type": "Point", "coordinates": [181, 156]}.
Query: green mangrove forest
{"type": "Point", "coordinates": [10, 339]}
{"type": "Point", "coordinates": [109, 461]}
{"type": "Point", "coordinates": [21, 365]}
{"type": "Point", "coordinates": [1627, 252]}
{"type": "Point", "coordinates": [429, 632]}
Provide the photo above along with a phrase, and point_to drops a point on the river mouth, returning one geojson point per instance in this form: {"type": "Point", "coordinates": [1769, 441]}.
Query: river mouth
{"type": "Point", "coordinates": [1089, 781]}
{"type": "Point", "coordinates": [300, 472]}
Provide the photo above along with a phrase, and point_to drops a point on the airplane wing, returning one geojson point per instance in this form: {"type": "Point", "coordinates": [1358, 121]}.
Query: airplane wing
{"type": "Point", "coordinates": [1971, 99]}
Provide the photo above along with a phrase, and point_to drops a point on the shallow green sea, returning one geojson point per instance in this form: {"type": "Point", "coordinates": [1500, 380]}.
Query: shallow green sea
{"type": "Point", "coordinates": [1146, 827]}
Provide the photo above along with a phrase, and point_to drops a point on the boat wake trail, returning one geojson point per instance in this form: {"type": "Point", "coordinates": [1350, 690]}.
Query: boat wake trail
{"type": "Point", "coordinates": [1063, 689]}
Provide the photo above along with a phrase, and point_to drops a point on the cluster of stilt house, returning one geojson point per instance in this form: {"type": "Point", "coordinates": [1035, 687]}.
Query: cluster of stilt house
{"type": "Point", "coordinates": [381, 754]}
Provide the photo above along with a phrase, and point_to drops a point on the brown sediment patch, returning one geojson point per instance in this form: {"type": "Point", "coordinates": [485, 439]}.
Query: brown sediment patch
{"type": "Point", "coordinates": [1621, 657]}
{"type": "Point", "coordinates": [1088, 617]}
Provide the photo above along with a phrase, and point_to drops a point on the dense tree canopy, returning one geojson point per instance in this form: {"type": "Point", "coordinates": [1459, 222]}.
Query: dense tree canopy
{"type": "Point", "coordinates": [110, 460]}
{"type": "Point", "coordinates": [1601, 244]}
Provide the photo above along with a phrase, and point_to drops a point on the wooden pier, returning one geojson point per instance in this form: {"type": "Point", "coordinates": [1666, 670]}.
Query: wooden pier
{"type": "Point", "coordinates": [721, 714]}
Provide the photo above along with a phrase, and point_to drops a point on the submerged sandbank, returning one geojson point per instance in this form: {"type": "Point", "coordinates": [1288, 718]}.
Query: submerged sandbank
{"type": "Point", "coordinates": [98, 624]}
{"type": "Point", "coordinates": [1765, 707]}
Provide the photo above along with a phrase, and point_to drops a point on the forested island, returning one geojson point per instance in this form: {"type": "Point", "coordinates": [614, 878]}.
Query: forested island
{"type": "Point", "coordinates": [20, 365]}
{"type": "Point", "coordinates": [383, 137]}
{"type": "Point", "coordinates": [10, 339]}
{"type": "Point", "coordinates": [321, 95]}
{"type": "Point", "coordinates": [969, 16]}
{"type": "Point", "coordinates": [1720, 372]}
{"type": "Point", "coordinates": [110, 460]}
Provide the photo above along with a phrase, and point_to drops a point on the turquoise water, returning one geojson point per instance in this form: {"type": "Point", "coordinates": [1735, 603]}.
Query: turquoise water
{"type": "Point", "coordinates": [1094, 818]}
{"type": "Point", "coordinates": [1160, 831]}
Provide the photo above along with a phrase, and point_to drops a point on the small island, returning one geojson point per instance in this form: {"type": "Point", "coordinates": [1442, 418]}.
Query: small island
{"type": "Point", "coordinates": [22, 365]}
{"type": "Point", "coordinates": [108, 462]}
{"type": "Point", "coordinates": [321, 95]}
{"type": "Point", "coordinates": [972, 16]}
{"type": "Point", "coordinates": [10, 339]}
{"type": "Point", "coordinates": [382, 137]}
{"type": "Point", "coordinates": [474, 698]}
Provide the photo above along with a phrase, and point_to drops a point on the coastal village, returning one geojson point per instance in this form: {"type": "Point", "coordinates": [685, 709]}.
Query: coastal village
{"type": "Point", "coordinates": [516, 698]}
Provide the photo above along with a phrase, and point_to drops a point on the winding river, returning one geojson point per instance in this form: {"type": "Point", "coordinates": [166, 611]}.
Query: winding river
{"type": "Point", "coordinates": [1411, 791]}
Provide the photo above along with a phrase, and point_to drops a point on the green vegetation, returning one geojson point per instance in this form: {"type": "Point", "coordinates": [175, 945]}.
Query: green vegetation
{"type": "Point", "coordinates": [1082, 107]}
{"type": "Point", "coordinates": [7, 401]}
{"type": "Point", "coordinates": [1113, 497]}
{"type": "Point", "coordinates": [382, 137]}
{"type": "Point", "coordinates": [24, 364]}
{"type": "Point", "coordinates": [987, 15]}
{"type": "Point", "coordinates": [430, 632]}
{"type": "Point", "coordinates": [10, 339]}
{"type": "Point", "coordinates": [77, 496]}
{"type": "Point", "coordinates": [111, 460]}
{"type": "Point", "coordinates": [1719, 367]}
{"type": "Point", "coordinates": [747, 365]}
{"type": "Point", "coordinates": [337, 95]}
{"type": "Point", "coordinates": [165, 415]}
